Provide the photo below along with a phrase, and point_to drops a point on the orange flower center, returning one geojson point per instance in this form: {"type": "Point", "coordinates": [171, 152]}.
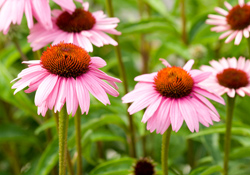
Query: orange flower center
{"type": "Point", "coordinates": [66, 60]}
{"type": "Point", "coordinates": [173, 82]}
{"type": "Point", "coordinates": [76, 22]}
{"type": "Point", "coordinates": [239, 17]}
{"type": "Point", "coordinates": [232, 78]}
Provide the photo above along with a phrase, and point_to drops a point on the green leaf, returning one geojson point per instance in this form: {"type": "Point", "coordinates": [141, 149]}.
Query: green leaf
{"type": "Point", "coordinates": [147, 26]}
{"type": "Point", "coordinates": [45, 125]}
{"type": "Point", "coordinates": [113, 167]}
{"type": "Point", "coordinates": [11, 132]}
{"type": "Point", "coordinates": [48, 159]}
{"type": "Point", "coordinates": [160, 7]}
{"type": "Point", "coordinates": [178, 48]}
{"type": "Point", "coordinates": [106, 135]}
{"type": "Point", "coordinates": [240, 153]}
{"type": "Point", "coordinates": [221, 129]}
{"type": "Point", "coordinates": [212, 169]}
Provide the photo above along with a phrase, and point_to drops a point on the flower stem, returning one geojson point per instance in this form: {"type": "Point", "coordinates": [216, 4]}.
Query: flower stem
{"type": "Point", "coordinates": [145, 46]}
{"type": "Point", "coordinates": [69, 163]}
{"type": "Point", "coordinates": [164, 150]}
{"type": "Point", "coordinates": [124, 79]}
{"type": "Point", "coordinates": [62, 133]}
{"type": "Point", "coordinates": [19, 49]}
{"type": "Point", "coordinates": [248, 41]}
{"type": "Point", "coordinates": [78, 141]}
{"type": "Point", "coordinates": [183, 20]}
{"type": "Point", "coordinates": [227, 143]}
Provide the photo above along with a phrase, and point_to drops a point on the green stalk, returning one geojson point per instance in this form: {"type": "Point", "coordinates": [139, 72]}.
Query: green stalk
{"type": "Point", "coordinates": [183, 20]}
{"type": "Point", "coordinates": [69, 163]}
{"type": "Point", "coordinates": [248, 41]}
{"type": "Point", "coordinates": [62, 133]}
{"type": "Point", "coordinates": [124, 80]}
{"type": "Point", "coordinates": [164, 150]}
{"type": "Point", "coordinates": [227, 143]}
{"type": "Point", "coordinates": [78, 141]}
{"type": "Point", "coordinates": [19, 49]}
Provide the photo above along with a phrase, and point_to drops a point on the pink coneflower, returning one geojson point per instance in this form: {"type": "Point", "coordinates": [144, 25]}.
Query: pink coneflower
{"type": "Point", "coordinates": [235, 22]}
{"type": "Point", "coordinates": [66, 73]}
{"type": "Point", "coordinates": [11, 11]}
{"type": "Point", "coordinates": [82, 28]}
{"type": "Point", "coordinates": [172, 95]}
{"type": "Point", "coordinates": [229, 76]}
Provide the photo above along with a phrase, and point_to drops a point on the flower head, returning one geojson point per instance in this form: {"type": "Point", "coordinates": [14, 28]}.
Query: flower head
{"type": "Point", "coordinates": [235, 22]}
{"type": "Point", "coordinates": [172, 95]}
{"type": "Point", "coordinates": [144, 166]}
{"type": "Point", "coordinates": [229, 76]}
{"type": "Point", "coordinates": [12, 12]}
{"type": "Point", "coordinates": [80, 27]}
{"type": "Point", "coordinates": [66, 73]}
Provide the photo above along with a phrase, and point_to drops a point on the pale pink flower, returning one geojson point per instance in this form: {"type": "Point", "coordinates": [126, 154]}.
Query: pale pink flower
{"type": "Point", "coordinates": [11, 11]}
{"type": "Point", "coordinates": [82, 28]}
{"type": "Point", "coordinates": [229, 76]}
{"type": "Point", "coordinates": [235, 23]}
{"type": "Point", "coordinates": [171, 96]}
{"type": "Point", "coordinates": [66, 73]}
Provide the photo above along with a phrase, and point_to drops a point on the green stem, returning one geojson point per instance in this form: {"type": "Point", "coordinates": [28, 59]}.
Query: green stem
{"type": "Point", "coordinates": [69, 163]}
{"type": "Point", "coordinates": [124, 79]}
{"type": "Point", "coordinates": [164, 150]}
{"type": "Point", "coordinates": [227, 143]}
{"type": "Point", "coordinates": [248, 41]}
{"type": "Point", "coordinates": [183, 20]}
{"type": "Point", "coordinates": [78, 141]}
{"type": "Point", "coordinates": [19, 49]}
{"type": "Point", "coordinates": [62, 133]}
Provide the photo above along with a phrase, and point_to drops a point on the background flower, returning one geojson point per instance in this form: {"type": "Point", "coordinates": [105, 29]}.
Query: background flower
{"type": "Point", "coordinates": [229, 76]}
{"type": "Point", "coordinates": [82, 28]}
{"type": "Point", "coordinates": [172, 95]}
{"type": "Point", "coordinates": [12, 12]}
{"type": "Point", "coordinates": [235, 22]}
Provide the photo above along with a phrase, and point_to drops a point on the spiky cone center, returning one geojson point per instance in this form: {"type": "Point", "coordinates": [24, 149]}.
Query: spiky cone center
{"type": "Point", "coordinates": [173, 82]}
{"type": "Point", "coordinates": [144, 166]}
{"type": "Point", "coordinates": [66, 60]}
{"type": "Point", "coordinates": [76, 22]}
{"type": "Point", "coordinates": [232, 78]}
{"type": "Point", "coordinates": [239, 17]}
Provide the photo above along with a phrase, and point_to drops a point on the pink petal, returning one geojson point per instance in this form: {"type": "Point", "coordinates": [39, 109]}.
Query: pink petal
{"type": "Point", "coordinates": [95, 89]}
{"type": "Point", "coordinates": [238, 38]}
{"type": "Point", "coordinates": [208, 94]}
{"type": "Point", "coordinates": [165, 62]}
{"type": "Point", "coordinates": [201, 77]}
{"type": "Point", "coordinates": [221, 11]}
{"type": "Point", "coordinates": [188, 65]}
{"type": "Point", "coordinates": [151, 109]}
{"type": "Point", "coordinates": [146, 77]}
{"type": "Point", "coordinates": [98, 62]}
{"type": "Point", "coordinates": [231, 36]}
{"type": "Point", "coordinates": [83, 95]}
{"type": "Point", "coordinates": [71, 97]}
{"type": "Point", "coordinates": [45, 88]}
